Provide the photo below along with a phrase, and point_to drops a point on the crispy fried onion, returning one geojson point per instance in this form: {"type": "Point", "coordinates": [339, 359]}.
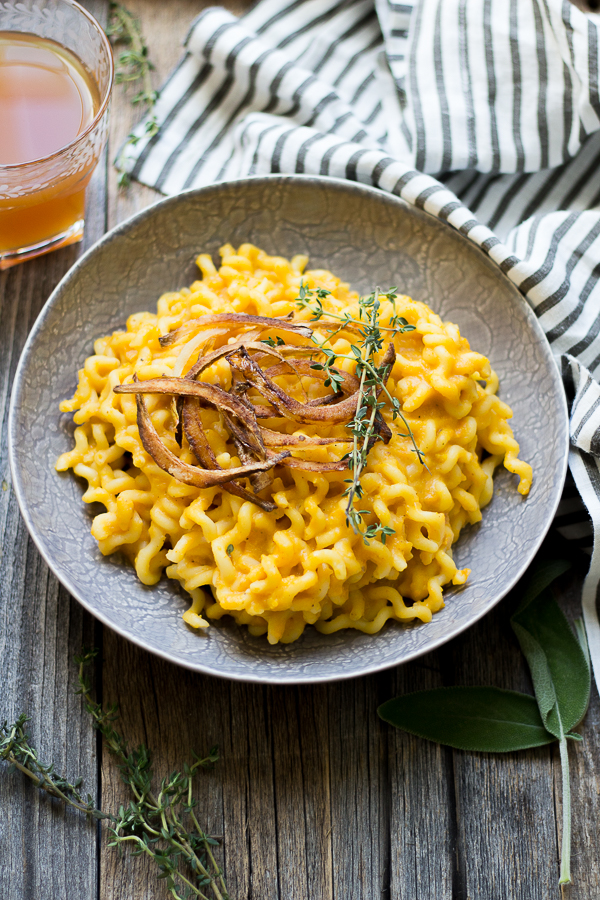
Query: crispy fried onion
{"type": "Point", "coordinates": [206, 361]}
{"type": "Point", "coordinates": [349, 384]}
{"type": "Point", "coordinates": [209, 393]}
{"type": "Point", "coordinates": [194, 475]}
{"type": "Point", "coordinates": [236, 320]}
{"type": "Point", "coordinates": [253, 442]}
{"type": "Point", "coordinates": [196, 436]}
{"type": "Point", "coordinates": [285, 406]}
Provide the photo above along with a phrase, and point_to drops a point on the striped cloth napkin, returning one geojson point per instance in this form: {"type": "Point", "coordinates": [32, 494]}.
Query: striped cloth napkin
{"type": "Point", "coordinates": [485, 113]}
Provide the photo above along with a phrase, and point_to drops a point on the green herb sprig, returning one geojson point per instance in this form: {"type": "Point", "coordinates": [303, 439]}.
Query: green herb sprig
{"type": "Point", "coordinates": [134, 65]}
{"type": "Point", "coordinates": [163, 826]}
{"type": "Point", "coordinates": [490, 720]}
{"type": "Point", "coordinates": [372, 383]}
{"type": "Point", "coordinates": [274, 342]}
{"type": "Point", "coordinates": [16, 749]}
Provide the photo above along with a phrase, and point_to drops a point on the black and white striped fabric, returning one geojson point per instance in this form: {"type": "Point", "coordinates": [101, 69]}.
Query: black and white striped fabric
{"type": "Point", "coordinates": [485, 113]}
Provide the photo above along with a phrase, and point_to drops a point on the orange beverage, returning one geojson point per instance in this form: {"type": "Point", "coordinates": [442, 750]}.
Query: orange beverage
{"type": "Point", "coordinates": [46, 99]}
{"type": "Point", "coordinates": [53, 119]}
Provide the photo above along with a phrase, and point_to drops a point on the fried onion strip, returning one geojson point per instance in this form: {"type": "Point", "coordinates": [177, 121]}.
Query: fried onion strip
{"type": "Point", "coordinates": [284, 405]}
{"type": "Point", "coordinates": [309, 465]}
{"type": "Point", "coordinates": [235, 319]}
{"type": "Point", "coordinates": [349, 385]}
{"type": "Point", "coordinates": [261, 480]}
{"type": "Point", "coordinates": [279, 439]}
{"type": "Point", "coordinates": [382, 428]}
{"type": "Point", "coordinates": [209, 393]}
{"type": "Point", "coordinates": [196, 436]}
{"type": "Point", "coordinates": [240, 415]}
{"type": "Point", "coordinates": [183, 472]}
{"type": "Point", "coordinates": [291, 409]}
{"type": "Point", "coordinates": [201, 343]}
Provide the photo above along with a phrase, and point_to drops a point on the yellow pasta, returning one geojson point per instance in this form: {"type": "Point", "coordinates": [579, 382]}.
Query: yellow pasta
{"type": "Point", "coordinates": [301, 564]}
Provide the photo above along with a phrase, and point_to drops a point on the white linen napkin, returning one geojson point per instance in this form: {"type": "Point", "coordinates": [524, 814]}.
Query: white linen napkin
{"type": "Point", "coordinates": [485, 113]}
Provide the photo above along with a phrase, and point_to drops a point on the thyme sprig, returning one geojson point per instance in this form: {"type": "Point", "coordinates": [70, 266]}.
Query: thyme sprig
{"type": "Point", "coordinates": [372, 383]}
{"type": "Point", "coordinates": [16, 749]}
{"type": "Point", "coordinates": [163, 826]}
{"type": "Point", "coordinates": [134, 65]}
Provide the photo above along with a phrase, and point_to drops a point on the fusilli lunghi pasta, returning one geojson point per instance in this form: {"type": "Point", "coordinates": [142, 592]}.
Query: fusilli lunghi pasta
{"type": "Point", "coordinates": [301, 564]}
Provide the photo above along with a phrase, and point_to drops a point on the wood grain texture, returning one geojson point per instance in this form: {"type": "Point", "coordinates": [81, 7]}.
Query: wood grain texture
{"type": "Point", "coordinates": [422, 802]}
{"type": "Point", "coordinates": [41, 628]}
{"type": "Point", "coordinates": [45, 851]}
{"type": "Point", "coordinates": [314, 797]}
{"type": "Point", "coordinates": [505, 803]}
{"type": "Point", "coordinates": [317, 799]}
{"type": "Point", "coordinates": [165, 26]}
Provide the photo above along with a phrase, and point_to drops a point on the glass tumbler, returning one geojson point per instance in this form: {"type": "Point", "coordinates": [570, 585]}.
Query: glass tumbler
{"type": "Point", "coordinates": [42, 200]}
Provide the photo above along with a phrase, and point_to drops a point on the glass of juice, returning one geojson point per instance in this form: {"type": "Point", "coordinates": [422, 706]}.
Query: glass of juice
{"type": "Point", "coordinates": [56, 75]}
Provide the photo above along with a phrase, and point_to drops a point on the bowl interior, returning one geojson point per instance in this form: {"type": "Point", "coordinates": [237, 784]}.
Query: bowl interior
{"type": "Point", "coordinates": [367, 237]}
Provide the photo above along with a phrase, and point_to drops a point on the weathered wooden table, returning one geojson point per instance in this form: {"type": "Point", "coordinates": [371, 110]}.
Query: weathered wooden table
{"type": "Point", "coordinates": [315, 797]}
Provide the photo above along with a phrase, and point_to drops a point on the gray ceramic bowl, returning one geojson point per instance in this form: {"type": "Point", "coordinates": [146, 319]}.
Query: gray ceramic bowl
{"type": "Point", "coordinates": [369, 238]}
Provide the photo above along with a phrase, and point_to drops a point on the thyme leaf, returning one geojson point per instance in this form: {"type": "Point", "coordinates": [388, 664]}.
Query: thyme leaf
{"type": "Point", "coordinates": [163, 826]}
{"type": "Point", "coordinates": [133, 66]}
{"type": "Point", "coordinates": [277, 341]}
{"type": "Point", "coordinates": [372, 378]}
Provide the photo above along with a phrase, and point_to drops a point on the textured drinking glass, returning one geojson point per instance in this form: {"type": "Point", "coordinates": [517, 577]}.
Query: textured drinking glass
{"type": "Point", "coordinates": [42, 201]}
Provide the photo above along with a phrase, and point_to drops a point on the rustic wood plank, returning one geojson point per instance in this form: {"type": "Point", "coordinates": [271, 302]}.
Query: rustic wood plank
{"type": "Point", "coordinates": [422, 815]}
{"type": "Point", "coordinates": [294, 761]}
{"type": "Point", "coordinates": [358, 772]}
{"type": "Point", "coordinates": [585, 804]}
{"type": "Point", "coordinates": [45, 850]}
{"type": "Point", "coordinates": [302, 774]}
{"type": "Point", "coordinates": [173, 711]}
{"type": "Point", "coordinates": [507, 804]}
{"type": "Point", "coordinates": [278, 802]}
{"type": "Point", "coordinates": [584, 761]}
{"type": "Point", "coordinates": [266, 796]}
{"type": "Point", "coordinates": [41, 628]}
{"type": "Point", "coordinates": [315, 798]}
{"type": "Point", "coordinates": [164, 26]}
{"type": "Point", "coordinates": [507, 807]}
{"type": "Point", "coordinates": [302, 794]}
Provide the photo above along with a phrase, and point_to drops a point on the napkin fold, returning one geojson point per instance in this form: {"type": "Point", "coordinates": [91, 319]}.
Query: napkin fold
{"type": "Point", "coordinates": [485, 113]}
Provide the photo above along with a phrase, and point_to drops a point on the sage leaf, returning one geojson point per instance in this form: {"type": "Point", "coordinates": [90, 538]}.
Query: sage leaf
{"type": "Point", "coordinates": [486, 719]}
{"type": "Point", "coordinates": [540, 576]}
{"type": "Point", "coordinates": [582, 638]}
{"type": "Point", "coordinates": [489, 719]}
{"type": "Point", "coordinates": [560, 670]}
{"type": "Point", "coordinates": [559, 667]}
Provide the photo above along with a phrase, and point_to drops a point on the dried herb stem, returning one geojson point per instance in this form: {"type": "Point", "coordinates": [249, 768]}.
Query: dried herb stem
{"type": "Point", "coordinates": [142, 816]}
{"type": "Point", "coordinates": [16, 750]}
{"type": "Point", "coordinates": [163, 826]}
{"type": "Point", "coordinates": [133, 65]}
{"type": "Point", "coordinates": [372, 382]}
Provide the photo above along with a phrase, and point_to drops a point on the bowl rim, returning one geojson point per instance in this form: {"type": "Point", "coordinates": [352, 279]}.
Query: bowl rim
{"type": "Point", "coordinates": [114, 234]}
